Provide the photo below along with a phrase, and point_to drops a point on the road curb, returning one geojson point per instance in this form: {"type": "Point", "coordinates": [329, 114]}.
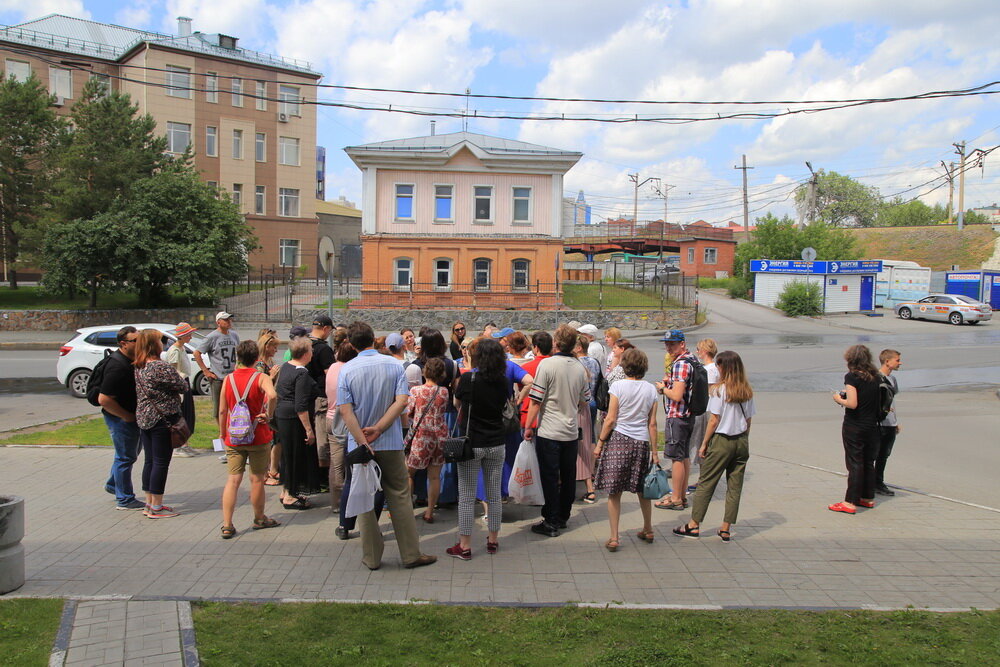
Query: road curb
{"type": "Point", "coordinates": [29, 345]}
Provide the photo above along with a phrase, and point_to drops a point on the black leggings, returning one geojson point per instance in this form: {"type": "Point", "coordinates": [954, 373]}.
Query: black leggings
{"type": "Point", "coordinates": [861, 444]}
{"type": "Point", "coordinates": [155, 443]}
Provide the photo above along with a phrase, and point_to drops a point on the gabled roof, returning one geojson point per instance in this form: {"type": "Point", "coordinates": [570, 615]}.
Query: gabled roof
{"type": "Point", "coordinates": [437, 149]}
{"type": "Point", "coordinates": [67, 34]}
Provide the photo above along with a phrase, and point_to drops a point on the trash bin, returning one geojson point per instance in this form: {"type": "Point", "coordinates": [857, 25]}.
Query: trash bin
{"type": "Point", "coordinates": [11, 550]}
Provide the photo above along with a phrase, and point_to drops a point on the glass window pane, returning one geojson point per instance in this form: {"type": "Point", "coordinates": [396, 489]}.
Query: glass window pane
{"type": "Point", "coordinates": [442, 208]}
{"type": "Point", "coordinates": [521, 208]}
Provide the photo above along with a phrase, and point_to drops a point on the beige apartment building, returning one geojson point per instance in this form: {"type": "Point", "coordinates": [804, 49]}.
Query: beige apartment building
{"type": "Point", "coordinates": [247, 115]}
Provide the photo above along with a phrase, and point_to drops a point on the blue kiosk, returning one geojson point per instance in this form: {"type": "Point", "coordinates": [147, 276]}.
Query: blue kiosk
{"type": "Point", "coordinates": [846, 285]}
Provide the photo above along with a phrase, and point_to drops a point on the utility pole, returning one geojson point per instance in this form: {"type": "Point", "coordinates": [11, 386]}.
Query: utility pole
{"type": "Point", "coordinates": [746, 207]}
{"type": "Point", "coordinates": [949, 172]}
{"type": "Point", "coordinates": [635, 199]}
{"type": "Point", "coordinates": [813, 182]}
{"type": "Point", "coordinates": [960, 149]}
{"type": "Point", "coordinates": [663, 191]}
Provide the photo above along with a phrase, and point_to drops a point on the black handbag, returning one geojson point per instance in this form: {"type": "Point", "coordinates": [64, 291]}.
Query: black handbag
{"type": "Point", "coordinates": [360, 455]}
{"type": "Point", "coordinates": [459, 448]}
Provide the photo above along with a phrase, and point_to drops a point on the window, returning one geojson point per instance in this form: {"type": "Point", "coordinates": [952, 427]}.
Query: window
{"type": "Point", "coordinates": [260, 147]}
{"type": "Point", "coordinates": [690, 255]}
{"type": "Point", "coordinates": [402, 271]}
{"type": "Point", "coordinates": [61, 82]}
{"type": "Point", "coordinates": [288, 100]}
{"type": "Point", "coordinates": [237, 144]}
{"type": "Point", "coordinates": [258, 199]}
{"type": "Point", "coordinates": [288, 202]}
{"type": "Point", "coordinates": [288, 252]}
{"type": "Point", "coordinates": [442, 274]}
{"type": "Point", "coordinates": [178, 137]}
{"type": "Point", "coordinates": [442, 203]}
{"type": "Point", "coordinates": [519, 274]}
{"type": "Point", "coordinates": [238, 195]}
{"type": "Point", "coordinates": [288, 151]}
{"type": "Point", "coordinates": [17, 70]}
{"type": "Point", "coordinates": [212, 87]}
{"type": "Point", "coordinates": [481, 274]}
{"type": "Point", "coordinates": [261, 93]}
{"type": "Point", "coordinates": [211, 141]}
{"type": "Point", "coordinates": [237, 92]}
{"type": "Point", "coordinates": [178, 82]}
{"type": "Point", "coordinates": [711, 255]}
{"type": "Point", "coordinates": [104, 81]}
{"type": "Point", "coordinates": [404, 201]}
{"type": "Point", "coordinates": [522, 206]}
{"type": "Point", "coordinates": [483, 203]}
{"type": "Point", "coordinates": [212, 184]}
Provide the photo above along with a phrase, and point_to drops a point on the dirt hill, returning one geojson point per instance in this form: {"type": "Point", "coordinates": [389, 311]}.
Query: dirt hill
{"type": "Point", "coordinates": [938, 247]}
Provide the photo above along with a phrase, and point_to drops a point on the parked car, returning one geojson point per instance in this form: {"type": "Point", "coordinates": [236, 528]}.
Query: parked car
{"type": "Point", "coordinates": [654, 274]}
{"type": "Point", "coordinates": [954, 308]}
{"type": "Point", "coordinates": [78, 357]}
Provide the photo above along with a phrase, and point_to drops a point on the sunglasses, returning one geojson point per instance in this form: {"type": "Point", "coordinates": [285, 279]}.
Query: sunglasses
{"type": "Point", "coordinates": [457, 329]}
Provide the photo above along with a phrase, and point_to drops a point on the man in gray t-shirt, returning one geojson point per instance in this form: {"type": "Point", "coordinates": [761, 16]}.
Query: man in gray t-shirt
{"type": "Point", "coordinates": [220, 346]}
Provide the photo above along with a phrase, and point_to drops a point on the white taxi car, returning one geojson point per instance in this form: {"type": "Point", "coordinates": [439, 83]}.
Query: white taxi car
{"type": "Point", "coordinates": [954, 308]}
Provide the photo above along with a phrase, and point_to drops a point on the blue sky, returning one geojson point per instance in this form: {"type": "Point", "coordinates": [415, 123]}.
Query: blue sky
{"type": "Point", "coordinates": [639, 49]}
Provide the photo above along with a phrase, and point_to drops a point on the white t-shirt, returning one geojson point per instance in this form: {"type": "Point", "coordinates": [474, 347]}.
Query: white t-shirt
{"type": "Point", "coordinates": [732, 416]}
{"type": "Point", "coordinates": [178, 358]}
{"type": "Point", "coordinates": [635, 399]}
{"type": "Point", "coordinates": [713, 373]}
{"type": "Point", "coordinates": [596, 351]}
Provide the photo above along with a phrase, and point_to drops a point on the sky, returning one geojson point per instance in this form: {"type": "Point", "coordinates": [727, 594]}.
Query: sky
{"type": "Point", "coordinates": [697, 50]}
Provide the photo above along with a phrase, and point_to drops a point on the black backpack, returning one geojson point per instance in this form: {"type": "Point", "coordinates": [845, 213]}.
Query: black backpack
{"type": "Point", "coordinates": [697, 393]}
{"type": "Point", "coordinates": [96, 380]}
{"type": "Point", "coordinates": [602, 398]}
{"type": "Point", "coordinates": [886, 395]}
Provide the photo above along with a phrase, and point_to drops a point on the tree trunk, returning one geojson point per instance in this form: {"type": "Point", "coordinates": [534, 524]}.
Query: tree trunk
{"type": "Point", "coordinates": [93, 295]}
{"type": "Point", "coordinates": [12, 274]}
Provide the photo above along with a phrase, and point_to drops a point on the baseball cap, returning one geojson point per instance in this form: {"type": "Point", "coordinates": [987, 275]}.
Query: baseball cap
{"type": "Point", "coordinates": [506, 331]}
{"type": "Point", "coordinates": [673, 336]}
{"type": "Point", "coordinates": [394, 341]}
{"type": "Point", "coordinates": [297, 332]}
{"type": "Point", "coordinates": [588, 329]}
{"type": "Point", "coordinates": [183, 329]}
{"type": "Point", "coordinates": [223, 315]}
{"type": "Point", "coordinates": [322, 321]}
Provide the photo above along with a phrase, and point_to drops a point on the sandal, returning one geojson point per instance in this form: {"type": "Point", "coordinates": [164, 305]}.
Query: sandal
{"type": "Point", "coordinates": [671, 505]}
{"type": "Point", "coordinates": [298, 504]}
{"type": "Point", "coordinates": [228, 532]}
{"type": "Point", "coordinates": [646, 536]}
{"type": "Point", "coordinates": [687, 531]}
{"type": "Point", "coordinates": [266, 522]}
{"type": "Point", "coordinates": [867, 503]}
{"type": "Point", "coordinates": [612, 544]}
{"type": "Point", "coordinates": [272, 480]}
{"type": "Point", "coordinates": [590, 498]}
{"type": "Point", "coordinates": [725, 535]}
{"type": "Point", "coordinates": [842, 507]}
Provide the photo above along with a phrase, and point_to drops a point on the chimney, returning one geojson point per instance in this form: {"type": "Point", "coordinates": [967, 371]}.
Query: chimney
{"type": "Point", "coordinates": [183, 26]}
{"type": "Point", "coordinates": [433, 126]}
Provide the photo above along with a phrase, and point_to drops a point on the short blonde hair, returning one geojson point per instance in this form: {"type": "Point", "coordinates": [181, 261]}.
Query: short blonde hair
{"type": "Point", "coordinates": [614, 333]}
{"type": "Point", "coordinates": [299, 347]}
{"type": "Point", "coordinates": [708, 347]}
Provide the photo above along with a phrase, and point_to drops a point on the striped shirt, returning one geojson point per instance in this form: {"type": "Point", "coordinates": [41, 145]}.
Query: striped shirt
{"type": "Point", "coordinates": [370, 383]}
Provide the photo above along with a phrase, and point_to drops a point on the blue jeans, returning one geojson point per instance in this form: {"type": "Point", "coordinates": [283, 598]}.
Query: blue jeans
{"type": "Point", "coordinates": [125, 438]}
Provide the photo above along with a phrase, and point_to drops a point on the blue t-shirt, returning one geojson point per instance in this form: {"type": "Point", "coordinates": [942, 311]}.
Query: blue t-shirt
{"type": "Point", "coordinates": [515, 374]}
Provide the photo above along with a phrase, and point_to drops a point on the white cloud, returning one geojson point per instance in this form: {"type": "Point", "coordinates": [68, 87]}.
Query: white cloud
{"type": "Point", "coordinates": [40, 8]}
{"type": "Point", "coordinates": [244, 19]}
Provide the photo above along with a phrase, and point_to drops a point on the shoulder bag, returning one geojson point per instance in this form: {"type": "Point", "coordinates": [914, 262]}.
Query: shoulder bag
{"type": "Point", "coordinates": [459, 448]}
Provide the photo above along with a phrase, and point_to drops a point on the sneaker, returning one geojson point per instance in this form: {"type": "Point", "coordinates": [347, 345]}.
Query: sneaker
{"type": "Point", "coordinates": [458, 552]}
{"type": "Point", "coordinates": [492, 547]}
{"type": "Point", "coordinates": [131, 505]}
{"type": "Point", "coordinates": [162, 513]}
{"type": "Point", "coordinates": [184, 452]}
{"type": "Point", "coordinates": [223, 459]}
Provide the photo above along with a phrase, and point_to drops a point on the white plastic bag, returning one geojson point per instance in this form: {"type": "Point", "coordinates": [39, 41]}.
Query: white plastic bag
{"type": "Point", "coordinates": [525, 484]}
{"type": "Point", "coordinates": [366, 481]}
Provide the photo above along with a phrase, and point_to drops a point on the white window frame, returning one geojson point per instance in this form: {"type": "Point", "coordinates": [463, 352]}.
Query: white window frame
{"type": "Point", "coordinates": [176, 132]}
{"type": "Point", "coordinates": [513, 204]}
{"type": "Point", "coordinates": [237, 92]}
{"type": "Point", "coordinates": [413, 201]}
{"type": "Point", "coordinates": [287, 144]}
{"type": "Point", "coordinates": [215, 186]}
{"type": "Point", "coordinates": [260, 90]}
{"type": "Point", "coordinates": [475, 197]}
{"type": "Point", "coordinates": [710, 256]}
{"type": "Point", "coordinates": [61, 82]}
{"type": "Point", "coordinates": [448, 271]}
{"type": "Point", "coordinates": [514, 271]}
{"type": "Point", "coordinates": [285, 200]}
{"type": "Point", "coordinates": [289, 100]}
{"type": "Point", "coordinates": [105, 81]}
{"type": "Point", "coordinates": [691, 255]}
{"type": "Point", "coordinates": [212, 87]}
{"type": "Point", "coordinates": [178, 80]}
{"type": "Point", "coordinates": [260, 200]}
{"type": "Point", "coordinates": [293, 245]}
{"type": "Point", "coordinates": [476, 286]}
{"type": "Point", "coordinates": [237, 144]}
{"type": "Point", "coordinates": [396, 268]}
{"type": "Point", "coordinates": [211, 141]}
{"type": "Point", "coordinates": [260, 147]}
{"type": "Point", "coordinates": [237, 196]}
{"type": "Point", "coordinates": [450, 220]}
{"type": "Point", "coordinates": [19, 65]}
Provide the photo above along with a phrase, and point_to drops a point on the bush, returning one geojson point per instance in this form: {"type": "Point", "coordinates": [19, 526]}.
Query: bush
{"type": "Point", "coordinates": [800, 298]}
{"type": "Point", "coordinates": [739, 287]}
{"type": "Point", "coordinates": [715, 283]}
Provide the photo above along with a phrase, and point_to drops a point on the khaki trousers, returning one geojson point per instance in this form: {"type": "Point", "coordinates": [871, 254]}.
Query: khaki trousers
{"type": "Point", "coordinates": [396, 486]}
{"type": "Point", "coordinates": [725, 455]}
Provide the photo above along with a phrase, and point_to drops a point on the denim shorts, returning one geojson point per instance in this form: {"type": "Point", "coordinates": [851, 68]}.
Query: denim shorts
{"type": "Point", "coordinates": [677, 435]}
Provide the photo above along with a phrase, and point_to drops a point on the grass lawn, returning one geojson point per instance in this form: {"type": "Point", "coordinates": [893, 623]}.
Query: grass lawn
{"type": "Point", "coordinates": [27, 630]}
{"type": "Point", "coordinates": [92, 431]}
{"type": "Point", "coordinates": [31, 297]}
{"type": "Point", "coordinates": [586, 297]}
{"type": "Point", "coordinates": [316, 633]}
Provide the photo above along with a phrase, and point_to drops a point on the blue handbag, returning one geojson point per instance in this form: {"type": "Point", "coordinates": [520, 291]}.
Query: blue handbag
{"type": "Point", "coordinates": [655, 485]}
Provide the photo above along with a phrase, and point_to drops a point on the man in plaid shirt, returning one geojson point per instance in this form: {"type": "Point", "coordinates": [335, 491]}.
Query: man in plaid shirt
{"type": "Point", "coordinates": [677, 431]}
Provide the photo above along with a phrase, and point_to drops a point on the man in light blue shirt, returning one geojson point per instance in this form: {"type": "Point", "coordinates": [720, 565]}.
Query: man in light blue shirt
{"type": "Point", "coordinates": [371, 394]}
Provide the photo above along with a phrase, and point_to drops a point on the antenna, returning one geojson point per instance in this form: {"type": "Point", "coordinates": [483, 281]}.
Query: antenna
{"type": "Point", "coordinates": [465, 118]}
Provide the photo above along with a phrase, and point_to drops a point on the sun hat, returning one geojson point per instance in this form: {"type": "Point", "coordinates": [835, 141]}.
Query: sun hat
{"type": "Point", "coordinates": [183, 329]}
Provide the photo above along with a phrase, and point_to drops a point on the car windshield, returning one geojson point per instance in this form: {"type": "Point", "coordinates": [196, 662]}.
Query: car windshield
{"type": "Point", "coordinates": [965, 299]}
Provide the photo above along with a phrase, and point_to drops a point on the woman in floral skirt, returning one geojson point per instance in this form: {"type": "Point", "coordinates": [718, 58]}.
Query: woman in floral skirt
{"type": "Point", "coordinates": [428, 430]}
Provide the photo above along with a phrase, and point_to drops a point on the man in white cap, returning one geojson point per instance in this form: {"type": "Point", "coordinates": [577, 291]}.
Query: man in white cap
{"type": "Point", "coordinates": [220, 346]}
{"type": "Point", "coordinates": [596, 348]}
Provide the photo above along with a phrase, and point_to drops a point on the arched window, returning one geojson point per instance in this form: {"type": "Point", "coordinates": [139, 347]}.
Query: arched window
{"type": "Point", "coordinates": [402, 273]}
{"type": "Point", "coordinates": [520, 275]}
{"type": "Point", "coordinates": [481, 274]}
{"type": "Point", "coordinates": [442, 273]}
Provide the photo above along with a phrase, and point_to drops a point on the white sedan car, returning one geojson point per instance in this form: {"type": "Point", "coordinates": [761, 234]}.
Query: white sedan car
{"type": "Point", "coordinates": [78, 357]}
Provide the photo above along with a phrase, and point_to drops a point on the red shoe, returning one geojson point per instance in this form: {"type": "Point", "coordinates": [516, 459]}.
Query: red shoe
{"type": "Point", "coordinates": [867, 503]}
{"type": "Point", "coordinates": [842, 507]}
{"type": "Point", "coordinates": [458, 552]}
{"type": "Point", "coordinates": [491, 547]}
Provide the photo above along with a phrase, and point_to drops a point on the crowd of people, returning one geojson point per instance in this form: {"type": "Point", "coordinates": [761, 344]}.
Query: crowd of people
{"type": "Point", "coordinates": [343, 397]}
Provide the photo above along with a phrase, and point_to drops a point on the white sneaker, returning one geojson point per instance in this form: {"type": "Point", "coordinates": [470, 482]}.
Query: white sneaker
{"type": "Point", "coordinates": [184, 452]}
{"type": "Point", "coordinates": [223, 459]}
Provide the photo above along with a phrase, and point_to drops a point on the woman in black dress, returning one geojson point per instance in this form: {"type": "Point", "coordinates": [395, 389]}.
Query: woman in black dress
{"type": "Point", "coordinates": [860, 431]}
{"type": "Point", "coordinates": [294, 414]}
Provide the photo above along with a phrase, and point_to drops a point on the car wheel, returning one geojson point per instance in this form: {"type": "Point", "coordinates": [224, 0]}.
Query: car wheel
{"type": "Point", "coordinates": [955, 318]}
{"type": "Point", "coordinates": [77, 382]}
{"type": "Point", "coordinates": [202, 385]}
{"type": "Point", "coordinates": [905, 313]}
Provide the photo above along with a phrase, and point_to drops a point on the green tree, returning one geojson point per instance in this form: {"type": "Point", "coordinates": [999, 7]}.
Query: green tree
{"type": "Point", "coordinates": [839, 200]}
{"type": "Point", "coordinates": [898, 213]}
{"type": "Point", "coordinates": [85, 255]}
{"type": "Point", "coordinates": [29, 129]}
{"type": "Point", "coordinates": [973, 218]}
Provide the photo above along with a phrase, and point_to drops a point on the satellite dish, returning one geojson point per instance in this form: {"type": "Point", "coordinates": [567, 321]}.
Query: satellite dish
{"type": "Point", "coordinates": [327, 251]}
{"type": "Point", "coordinates": [809, 254]}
